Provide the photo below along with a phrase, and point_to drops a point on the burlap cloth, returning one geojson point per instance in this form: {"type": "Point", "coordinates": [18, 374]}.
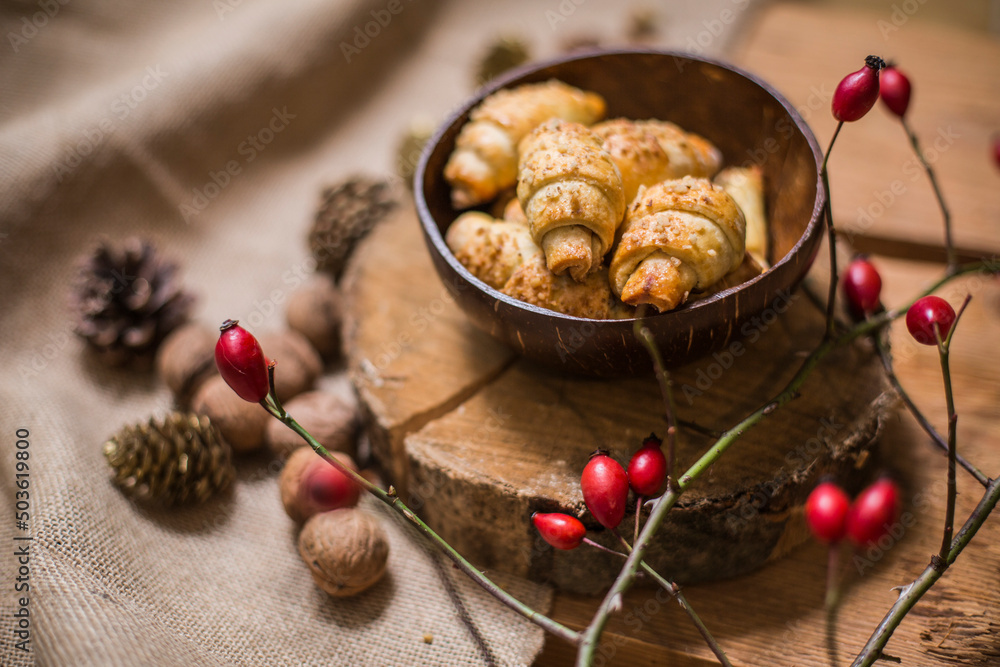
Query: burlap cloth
{"type": "Point", "coordinates": [117, 116]}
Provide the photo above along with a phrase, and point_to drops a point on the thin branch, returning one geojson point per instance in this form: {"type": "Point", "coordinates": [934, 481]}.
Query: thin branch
{"type": "Point", "coordinates": [832, 602]}
{"type": "Point", "coordinates": [944, 347]}
{"type": "Point", "coordinates": [925, 424]}
{"type": "Point", "coordinates": [666, 392]}
{"type": "Point", "coordinates": [831, 300]}
{"type": "Point", "coordinates": [393, 501]}
{"type": "Point", "coordinates": [912, 592]}
{"type": "Point", "coordinates": [675, 591]}
{"type": "Point", "coordinates": [949, 245]}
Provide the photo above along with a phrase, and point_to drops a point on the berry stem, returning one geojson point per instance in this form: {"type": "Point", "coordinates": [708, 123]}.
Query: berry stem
{"type": "Point", "coordinates": [832, 601]}
{"type": "Point", "coordinates": [666, 391]}
{"type": "Point", "coordinates": [925, 424]}
{"type": "Point", "coordinates": [911, 593]}
{"type": "Point", "coordinates": [601, 547]}
{"type": "Point", "coordinates": [943, 350]}
{"type": "Point", "coordinates": [675, 591]}
{"type": "Point", "coordinates": [949, 246]}
{"type": "Point", "coordinates": [638, 510]}
{"type": "Point", "coordinates": [272, 405]}
{"type": "Point", "coordinates": [832, 240]}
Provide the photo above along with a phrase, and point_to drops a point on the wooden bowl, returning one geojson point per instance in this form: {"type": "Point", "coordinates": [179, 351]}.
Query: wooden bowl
{"type": "Point", "coordinates": [750, 122]}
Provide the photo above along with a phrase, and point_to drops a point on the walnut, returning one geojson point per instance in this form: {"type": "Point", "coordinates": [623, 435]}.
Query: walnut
{"type": "Point", "coordinates": [299, 504]}
{"type": "Point", "coordinates": [241, 423]}
{"type": "Point", "coordinates": [332, 420]}
{"type": "Point", "coordinates": [315, 311]}
{"type": "Point", "coordinates": [346, 550]}
{"type": "Point", "coordinates": [297, 362]}
{"type": "Point", "coordinates": [186, 358]}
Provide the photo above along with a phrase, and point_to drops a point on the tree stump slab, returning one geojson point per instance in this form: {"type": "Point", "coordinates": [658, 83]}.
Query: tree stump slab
{"type": "Point", "coordinates": [476, 439]}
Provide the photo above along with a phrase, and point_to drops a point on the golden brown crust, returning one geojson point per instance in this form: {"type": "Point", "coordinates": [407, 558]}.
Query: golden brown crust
{"type": "Point", "coordinates": [485, 157]}
{"type": "Point", "coordinates": [490, 249]}
{"type": "Point", "coordinates": [691, 231]}
{"type": "Point", "coordinates": [503, 254]}
{"type": "Point", "coordinates": [746, 186]}
{"type": "Point", "coordinates": [566, 180]}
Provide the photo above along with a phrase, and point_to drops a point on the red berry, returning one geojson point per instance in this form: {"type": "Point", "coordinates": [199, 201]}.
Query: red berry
{"type": "Point", "coordinates": [647, 470]}
{"type": "Point", "coordinates": [927, 312]}
{"type": "Point", "coordinates": [325, 488]}
{"type": "Point", "coordinates": [894, 89]}
{"type": "Point", "coordinates": [873, 512]}
{"type": "Point", "coordinates": [241, 362]}
{"type": "Point", "coordinates": [560, 530]}
{"type": "Point", "coordinates": [856, 93]}
{"type": "Point", "coordinates": [996, 149]}
{"type": "Point", "coordinates": [605, 489]}
{"type": "Point", "coordinates": [826, 512]}
{"type": "Point", "coordinates": [862, 285]}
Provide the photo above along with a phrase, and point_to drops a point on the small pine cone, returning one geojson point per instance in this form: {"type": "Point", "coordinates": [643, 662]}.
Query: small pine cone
{"type": "Point", "coordinates": [504, 54]}
{"type": "Point", "coordinates": [179, 459]}
{"type": "Point", "coordinates": [348, 212]}
{"type": "Point", "coordinates": [126, 299]}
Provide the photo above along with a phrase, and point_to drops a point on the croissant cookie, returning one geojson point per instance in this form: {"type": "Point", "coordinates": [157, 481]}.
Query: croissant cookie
{"type": "Point", "coordinates": [502, 254]}
{"type": "Point", "coordinates": [651, 151]}
{"type": "Point", "coordinates": [746, 186]}
{"type": "Point", "coordinates": [678, 236]}
{"type": "Point", "coordinates": [571, 193]}
{"type": "Point", "coordinates": [484, 161]}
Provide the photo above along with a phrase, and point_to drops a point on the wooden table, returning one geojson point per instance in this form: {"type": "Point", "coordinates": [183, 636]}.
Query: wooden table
{"type": "Point", "coordinates": [775, 616]}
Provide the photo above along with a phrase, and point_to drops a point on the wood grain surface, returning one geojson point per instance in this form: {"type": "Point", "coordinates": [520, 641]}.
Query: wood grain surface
{"type": "Point", "coordinates": [775, 615]}
{"type": "Point", "coordinates": [454, 435]}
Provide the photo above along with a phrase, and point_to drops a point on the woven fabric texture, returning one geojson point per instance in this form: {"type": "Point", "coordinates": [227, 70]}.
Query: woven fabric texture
{"type": "Point", "coordinates": [210, 128]}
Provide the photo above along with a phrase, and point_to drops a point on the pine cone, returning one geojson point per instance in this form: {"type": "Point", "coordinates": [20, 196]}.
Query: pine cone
{"type": "Point", "coordinates": [179, 459]}
{"type": "Point", "coordinates": [126, 300]}
{"type": "Point", "coordinates": [349, 211]}
{"type": "Point", "coordinates": [505, 53]}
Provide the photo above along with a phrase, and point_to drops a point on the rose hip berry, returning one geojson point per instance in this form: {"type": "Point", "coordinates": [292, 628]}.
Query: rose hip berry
{"type": "Point", "coordinates": [241, 362]}
{"type": "Point", "coordinates": [605, 489]}
{"type": "Point", "coordinates": [647, 470]}
{"type": "Point", "coordinates": [327, 488]}
{"type": "Point", "coordinates": [856, 93]}
{"type": "Point", "coordinates": [862, 286]}
{"type": "Point", "coordinates": [873, 512]}
{"type": "Point", "coordinates": [560, 530]}
{"type": "Point", "coordinates": [927, 312]}
{"type": "Point", "coordinates": [826, 512]}
{"type": "Point", "coordinates": [996, 150]}
{"type": "Point", "coordinates": [894, 89]}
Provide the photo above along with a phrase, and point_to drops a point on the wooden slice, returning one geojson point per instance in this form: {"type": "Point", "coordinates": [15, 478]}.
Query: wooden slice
{"type": "Point", "coordinates": [476, 440]}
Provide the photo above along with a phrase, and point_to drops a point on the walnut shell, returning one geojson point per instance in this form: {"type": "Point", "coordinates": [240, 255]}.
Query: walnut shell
{"type": "Point", "coordinates": [331, 419]}
{"type": "Point", "coordinates": [186, 358]}
{"type": "Point", "coordinates": [297, 506]}
{"type": "Point", "coordinates": [346, 550]}
{"type": "Point", "coordinates": [241, 423]}
{"type": "Point", "coordinates": [297, 362]}
{"type": "Point", "coordinates": [315, 311]}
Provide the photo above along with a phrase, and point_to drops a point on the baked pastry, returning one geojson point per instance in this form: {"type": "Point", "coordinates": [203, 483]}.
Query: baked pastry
{"type": "Point", "coordinates": [490, 249]}
{"type": "Point", "coordinates": [502, 254]}
{"type": "Point", "coordinates": [678, 236]}
{"type": "Point", "coordinates": [650, 151]}
{"type": "Point", "coordinates": [484, 161]}
{"type": "Point", "coordinates": [571, 193]}
{"type": "Point", "coordinates": [746, 186]}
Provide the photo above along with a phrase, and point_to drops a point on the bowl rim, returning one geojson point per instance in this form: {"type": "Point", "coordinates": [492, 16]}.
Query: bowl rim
{"type": "Point", "coordinates": [434, 235]}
